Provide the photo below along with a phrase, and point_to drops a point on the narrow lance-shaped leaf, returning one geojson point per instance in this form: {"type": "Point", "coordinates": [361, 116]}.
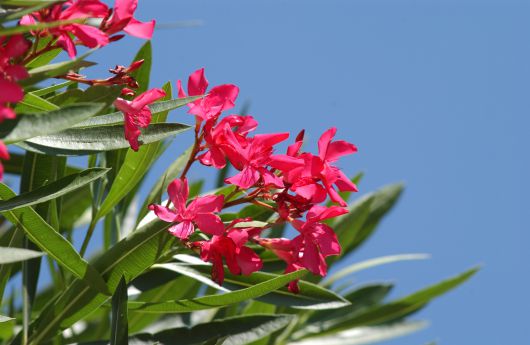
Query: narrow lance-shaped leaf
{"type": "Point", "coordinates": [372, 263]}
{"type": "Point", "coordinates": [366, 335]}
{"type": "Point", "coordinates": [119, 326]}
{"type": "Point", "coordinates": [53, 190]}
{"type": "Point", "coordinates": [237, 330]}
{"type": "Point", "coordinates": [56, 69]}
{"type": "Point", "coordinates": [395, 309]}
{"type": "Point", "coordinates": [132, 255]}
{"type": "Point", "coordinates": [10, 255]}
{"type": "Point", "coordinates": [27, 126]}
{"type": "Point", "coordinates": [156, 109]}
{"type": "Point", "coordinates": [217, 301]}
{"type": "Point", "coordinates": [83, 141]}
{"type": "Point", "coordinates": [50, 241]}
{"type": "Point", "coordinates": [34, 104]}
{"type": "Point", "coordinates": [311, 296]}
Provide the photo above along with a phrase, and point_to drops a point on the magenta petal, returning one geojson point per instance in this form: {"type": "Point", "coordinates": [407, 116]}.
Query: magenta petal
{"type": "Point", "coordinates": [318, 213]}
{"type": "Point", "coordinates": [164, 213]}
{"type": "Point", "coordinates": [64, 41]}
{"type": "Point", "coordinates": [313, 260]}
{"type": "Point", "coordinates": [148, 97]}
{"type": "Point", "coordinates": [6, 113]}
{"type": "Point", "coordinates": [239, 236]}
{"type": "Point", "coordinates": [248, 261]}
{"type": "Point", "coordinates": [16, 46]}
{"type": "Point", "coordinates": [178, 192]}
{"type": "Point", "coordinates": [90, 36]}
{"type": "Point", "coordinates": [124, 105]}
{"type": "Point", "coordinates": [344, 183]}
{"type": "Point", "coordinates": [338, 149]}
{"type": "Point", "coordinates": [11, 91]}
{"type": "Point", "coordinates": [324, 141]}
{"type": "Point", "coordinates": [209, 223]}
{"type": "Point", "coordinates": [197, 83]}
{"type": "Point", "coordinates": [285, 162]}
{"type": "Point", "coordinates": [16, 72]}
{"type": "Point", "coordinates": [326, 239]}
{"type": "Point", "coordinates": [207, 204]}
{"type": "Point", "coordinates": [4, 153]}
{"type": "Point", "coordinates": [245, 179]}
{"type": "Point", "coordinates": [182, 230]}
{"type": "Point", "coordinates": [140, 29]}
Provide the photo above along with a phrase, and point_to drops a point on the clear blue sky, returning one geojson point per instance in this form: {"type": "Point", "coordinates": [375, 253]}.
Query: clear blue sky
{"type": "Point", "coordinates": [434, 93]}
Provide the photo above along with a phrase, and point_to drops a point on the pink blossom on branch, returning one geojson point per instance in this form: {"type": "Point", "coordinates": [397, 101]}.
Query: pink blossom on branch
{"type": "Point", "coordinates": [219, 99]}
{"type": "Point", "coordinates": [317, 240]}
{"type": "Point", "coordinates": [137, 114]}
{"type": "Point", "coordinates": [251, 160]}
{"type": "Point", "coordinates": [239, 258]}
{"type": "Point", "coordinates": [218, 138]}
{"type": "Point", "coordinates": [312, 177]}
{"type": "Point", "coordinates": [87, 35]}
{"type": "Point", "coordinates": [123, 19]}
{"type": "Point", "coordinates": [10, 72]}
{"type": "Point", "coordinates": [200, 211]}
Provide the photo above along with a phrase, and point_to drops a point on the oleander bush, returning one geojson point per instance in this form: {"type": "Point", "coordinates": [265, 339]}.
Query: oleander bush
{"type": "Point", "coordinates": [244, 263]}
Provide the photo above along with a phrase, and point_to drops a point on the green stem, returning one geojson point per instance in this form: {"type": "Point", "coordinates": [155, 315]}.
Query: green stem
{"type": "Point", "coordinates": [88, 236]}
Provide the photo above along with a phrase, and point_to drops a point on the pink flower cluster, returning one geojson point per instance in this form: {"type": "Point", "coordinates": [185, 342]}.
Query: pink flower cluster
{"type": "Point", "coordinates": [77, 12]}
{"type": "Point", "coordinates": [12, 49]}
{"type": "Point", "coordinates": [292, 185]}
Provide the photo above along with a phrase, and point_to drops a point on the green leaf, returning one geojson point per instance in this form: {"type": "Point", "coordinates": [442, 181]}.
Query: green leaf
{"type": "Point", "coordinates": [156, 109]}
{"type": "Point", "coordinates": [5, 318]}
{"type": "Point", "coordinates": [365, 214]}
{"type": "Point", "coordinates": [95, 94]}
{"type": "Point", "coordinates": [119, 327]}
{"type": "Point", "coordinates": [47, 90]}
{"type": "Point", "coordinates": [53, 190]}
{"type": "Point", "coordinates": [17, 13]}
{"type": "Point", "coordinates": [372, 263]}
{"type": "Point", "coordinates": [27, 126]}
{"type": "Point", "coordinates": [50, 241]}
{"type": "Point", "coordinates": [132, 256]}
{"type": "Point", "coordinates": [134, 167]}
{"type": "Point", "coordinates": [89, 140]}
{"type": "Point", "coordinates": [366, 335]}
{"type": "Point", "coordinates": [34, 104]}
{"type": "Point", "coordinates": [190, 272]}
{"type": "Point", "coordinates": [57, 69]}
{"type": "Point", "coordinates": [20, 29]}
{"type": "Point", "coordinates": [217, 301]}
{"type": "Point", "coordinates": [10, 255]}
{"type": "Point", "coordinates": [396, 309]}
{"type": "Point", "coordinates": [143, 73]}
{"type": "Point", "coordinates": [237, 330]}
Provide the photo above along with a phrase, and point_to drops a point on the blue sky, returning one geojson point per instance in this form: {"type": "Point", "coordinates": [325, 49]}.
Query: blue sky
{"type": "Point", "coordinates": [434, 93]}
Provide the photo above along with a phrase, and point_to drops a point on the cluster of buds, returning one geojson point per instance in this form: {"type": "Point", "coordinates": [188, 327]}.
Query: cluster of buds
{"type": "Point", "coordinates": [292, 185]}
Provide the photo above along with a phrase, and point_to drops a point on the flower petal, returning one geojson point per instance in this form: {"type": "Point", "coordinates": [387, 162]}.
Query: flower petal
{"type": "Point", "coordinates": [209, 223]}
{"type": "Point", "coordinates": [182, 230]}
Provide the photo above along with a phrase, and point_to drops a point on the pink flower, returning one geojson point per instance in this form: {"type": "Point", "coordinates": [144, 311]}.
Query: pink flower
{"type": "Point", "coordinates": [285, 250]}
{"type": "Point", "coordinates": [218, 138]}
{"type": "Point", "coordinates": [219, 99]}
{"type": "Point", "coordinates": [137, 114]}
{"type": "Point", "coordinates": [304, 171]}
{"type": "Point", "coordinates": [239, 258]}
{"type": "Point", "coordinates": [11, 49]}
{"type": "Point", "coordinates": [199, 212]}
{"type": "Point", "coordinates": [251, 159]}
{"type": "Point", "coordinates": [87, 35]}
{"type": "Point", "coordinates": [317, 240]}
{"type": "Point", "coordinates": [123, 19]}
{"type": "Point", "coordinates": [4, 155]}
